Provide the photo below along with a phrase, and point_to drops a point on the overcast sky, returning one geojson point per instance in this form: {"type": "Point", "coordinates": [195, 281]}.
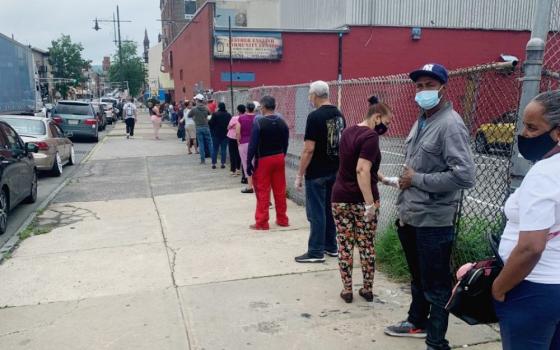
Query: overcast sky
{"type": "Point", "coordinates": [38, 22]}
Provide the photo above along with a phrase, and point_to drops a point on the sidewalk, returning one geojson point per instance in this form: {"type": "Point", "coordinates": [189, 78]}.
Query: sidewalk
{"type": "Point", "coordinates": [150, 250]}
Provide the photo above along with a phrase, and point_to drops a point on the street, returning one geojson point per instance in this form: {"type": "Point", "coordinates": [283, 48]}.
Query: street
{"type": "Point", "coordinates": [150, 250]}
{"type": "Point", "coordinates": [46, 186]}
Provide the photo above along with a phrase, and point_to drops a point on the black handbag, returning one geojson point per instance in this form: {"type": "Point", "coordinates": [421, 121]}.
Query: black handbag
{"type": "Point", "coordinates": [472, 300]}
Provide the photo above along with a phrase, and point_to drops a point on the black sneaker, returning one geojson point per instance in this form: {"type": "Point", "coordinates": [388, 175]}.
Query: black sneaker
{"type": "Point", "coordinates": [222, 166]}
{"type": "Point", "coordinates": [305, 258]}
{"type": "Point", "coordinates": [331, 254]}
{"type": "Point", "coordinates": [213, 166]}
{"type": "Point", "coordinates": [405, 329]}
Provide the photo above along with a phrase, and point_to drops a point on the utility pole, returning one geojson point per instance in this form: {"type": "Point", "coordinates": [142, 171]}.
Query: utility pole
{"type": "Point", "coordinates": [231, 68]}
{"type": "Point", "coordinates": [120, 44]}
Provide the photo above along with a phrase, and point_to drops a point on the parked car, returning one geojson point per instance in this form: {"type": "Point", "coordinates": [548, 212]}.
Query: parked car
{"type": "Point", "coordinates": [18, 175]}
{"type": "Point", "coordinates": [101, 116]}
{"type": "Point", "coordinates": [109, 114]}
{"type": "Point", "coordinates": [54, 147]}
{"type": "Point", "coordinates": [498, 135]}
{"type": "Point", "coordinates": [78, 118]}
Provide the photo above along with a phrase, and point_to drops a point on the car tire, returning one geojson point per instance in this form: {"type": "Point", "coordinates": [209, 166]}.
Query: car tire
{"type": "Point", "coordinates": [96, 138]}
{"type": "Point", "coordinates": [4, 209]}
{"type": "Point", "coordinates": [32, 198]}
{"type": "Point", "coordinates": [72, 156]}
{"type": "Point", "coordinates": [57, 166]}
{"type": "Point", "coordinates": [480, 143]}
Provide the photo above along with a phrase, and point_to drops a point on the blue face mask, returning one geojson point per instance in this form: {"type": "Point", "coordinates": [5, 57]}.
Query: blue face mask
{"type": "Point", "coordinates": [427, 99]}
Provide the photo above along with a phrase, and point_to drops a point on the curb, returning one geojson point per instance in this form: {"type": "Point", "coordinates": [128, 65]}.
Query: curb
{"type": "Point", "coordinates": [14, 241]}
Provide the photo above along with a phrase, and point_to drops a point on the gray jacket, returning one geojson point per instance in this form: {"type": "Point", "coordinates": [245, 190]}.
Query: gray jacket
{"type": "Point", "coordinates": [440, 154]}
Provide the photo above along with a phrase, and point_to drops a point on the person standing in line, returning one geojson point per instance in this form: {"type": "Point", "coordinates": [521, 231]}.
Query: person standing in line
{"type": "Point", "coordinates": [190, 128]}
{"type": "Point", "coordinates": [200, 116]}
{"type": "Point", "coordinates": [234, 158]}
{"type": "Point", "coordinates": [181, 121]}
{"type": "Point", "coordinates": [243, 132]}
{"type": "Point", "coordinates": [268, 148]}
{"type": "Point", "coordinates": [355, 197]}
{"type": "Point", "coordinates": [527, 290]}
{"type": "Point", "coordinates": [439, 164]}
{"type": "Point", "coordinates": [131, 116]}
{"type": "Point", "coordinates": [155, 117]}
{"type": "Point", "coordinates": [219, 128]}
{"type": "Point", "coordinates": [319, 164]}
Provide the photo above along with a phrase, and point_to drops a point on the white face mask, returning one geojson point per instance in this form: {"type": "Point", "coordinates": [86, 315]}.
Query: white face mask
{"type": "Point", "coordinates": [427, 99]}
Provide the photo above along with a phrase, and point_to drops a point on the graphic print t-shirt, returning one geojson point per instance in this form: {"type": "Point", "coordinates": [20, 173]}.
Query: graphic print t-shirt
{"type": "Point", "coordinates": [324, 126]}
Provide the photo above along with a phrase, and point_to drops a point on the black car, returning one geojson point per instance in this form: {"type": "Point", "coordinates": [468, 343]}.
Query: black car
{"type": "Point", "coordinates": [18, 176]}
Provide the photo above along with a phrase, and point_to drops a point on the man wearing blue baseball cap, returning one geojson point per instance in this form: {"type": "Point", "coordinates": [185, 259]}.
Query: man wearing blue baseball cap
{"type": "Point", "coordinates": [438, 166]}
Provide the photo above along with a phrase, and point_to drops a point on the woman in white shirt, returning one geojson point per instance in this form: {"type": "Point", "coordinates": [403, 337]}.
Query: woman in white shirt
{"type": "Point", "coordinates": [527, 291]}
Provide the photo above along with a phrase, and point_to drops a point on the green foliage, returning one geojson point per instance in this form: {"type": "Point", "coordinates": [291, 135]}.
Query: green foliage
{"type": "Point", "coordinates": [67, 62]}
{"type": "Point", "coordinates": [390, 255]}
{"type": "Point", "coordinates": [471, 245]}
{"type": "Point", "coordinates": [131, 68]}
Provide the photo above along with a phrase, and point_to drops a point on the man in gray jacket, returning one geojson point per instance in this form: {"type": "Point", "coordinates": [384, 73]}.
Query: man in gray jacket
{"type": "Point", "coordinates": [438, 166]}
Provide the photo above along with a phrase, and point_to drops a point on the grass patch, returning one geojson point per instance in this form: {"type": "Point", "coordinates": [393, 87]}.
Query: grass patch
{"type": "Point", "coordinates": [34, 229]}
{"type": "Point", "coordinates": [471, 245]}
{"type": "Point", "coordinates": [390, 255]}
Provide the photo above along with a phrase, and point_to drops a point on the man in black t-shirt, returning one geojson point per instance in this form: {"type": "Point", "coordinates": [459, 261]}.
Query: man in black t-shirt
{"type": "Point", "coordinates": [319, 164]}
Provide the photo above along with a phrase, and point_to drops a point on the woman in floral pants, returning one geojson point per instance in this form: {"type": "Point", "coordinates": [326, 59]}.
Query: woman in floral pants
{"type": "Point", "coordinates": [355, 197]}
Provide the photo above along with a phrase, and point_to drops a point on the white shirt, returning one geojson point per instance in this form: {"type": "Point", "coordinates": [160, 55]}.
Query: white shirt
{"type": "Point", "coordinates": [188, 121]}
{"type": "Point", "coordinates": [535, 206]}
{"type": "Point", "coordinates": [129, 110]}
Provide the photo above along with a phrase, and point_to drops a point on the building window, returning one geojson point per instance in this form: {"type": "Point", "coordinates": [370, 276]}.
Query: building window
{"type": "Point", "coordinates": [190, 9]}
{"type": "Point", "coordinates": [181, 74]}
{"type": "Point", "coordinates": [170, 59]}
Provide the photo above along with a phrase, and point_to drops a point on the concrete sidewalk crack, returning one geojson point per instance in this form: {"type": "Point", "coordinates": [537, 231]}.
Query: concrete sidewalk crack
{"type": "Point", "coordinates": [171, 255]}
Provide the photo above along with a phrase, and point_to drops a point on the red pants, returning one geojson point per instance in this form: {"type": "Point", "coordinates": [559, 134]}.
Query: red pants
{"type": "Point", "coordinates": [270, 173]}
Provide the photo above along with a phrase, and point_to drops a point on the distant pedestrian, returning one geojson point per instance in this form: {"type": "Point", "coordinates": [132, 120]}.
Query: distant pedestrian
{"type": "Point", "coordinates": [131, 116]}
{"type": "Point", "coordinates": [268, 148]}
{"type": "Point", "coordinates": [243, 133]}
{"type": "Point", "coordinates": [319, 163]}
{"type": "Point", "coordinates": [181, 121]}
{"type": "Point", "coordinates": [439, 164]}
{"type": "Point", "coordinates": [212, 105]}
{"type": "Point", "coordinates": [355, 197]}
{"type": "Point", "coordinates": [190, 128]}
{"type": "Point", "coordinates": [219, 127]}
{"type": "Point", "coordinates": [200, 115]}
{"type": "Point", "coordinates": [155, 117]}
{"type": "Point", "coordinates": [234, 158]}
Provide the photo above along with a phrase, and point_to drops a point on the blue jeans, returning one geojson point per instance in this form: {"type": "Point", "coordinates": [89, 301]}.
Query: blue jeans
{"type": "Point", "coordinates": [203, 139]}
{"type": "Point", "coordinates": [319, 214]}
{"type": "Point", "coordinates": [428, 254]}
{"type": "Point", "coordinates": [220, 144]}
{"type": "Point", "coordinates": [530, 317]}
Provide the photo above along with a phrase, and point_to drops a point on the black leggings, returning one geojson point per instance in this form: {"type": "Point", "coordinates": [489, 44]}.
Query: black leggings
{"type": "Point", "coordinates": [235, 159]}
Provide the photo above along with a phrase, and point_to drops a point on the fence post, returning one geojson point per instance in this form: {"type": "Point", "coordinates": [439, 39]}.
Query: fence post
{"type": "Point", "coordinates": [531, 81]}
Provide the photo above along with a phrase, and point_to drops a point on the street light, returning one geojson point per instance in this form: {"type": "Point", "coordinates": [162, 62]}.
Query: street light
{"type": "Point", "coordinates": [118, 22]}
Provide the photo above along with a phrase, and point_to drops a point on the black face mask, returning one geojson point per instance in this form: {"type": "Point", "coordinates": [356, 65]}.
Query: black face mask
{"type": "Point", "coordinates": [535, 148]}
{"type": "Point", "coordinates": [380, 128]}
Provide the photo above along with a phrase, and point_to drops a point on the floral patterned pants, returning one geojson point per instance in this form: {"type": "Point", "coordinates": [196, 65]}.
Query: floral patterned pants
{"type": "Point", "coordinates": [352, 229]}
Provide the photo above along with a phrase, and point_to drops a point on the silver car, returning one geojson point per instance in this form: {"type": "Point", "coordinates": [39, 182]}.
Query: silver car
{"type": "Point", "coordinates": [54, 147]}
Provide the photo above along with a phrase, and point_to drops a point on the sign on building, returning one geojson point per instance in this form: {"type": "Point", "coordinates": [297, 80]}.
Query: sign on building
{"type": "Point", "coordinates": [248, 45]}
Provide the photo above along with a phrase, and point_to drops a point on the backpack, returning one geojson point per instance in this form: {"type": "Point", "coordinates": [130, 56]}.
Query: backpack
{"type": "Point", "coordinates": [129, 110]}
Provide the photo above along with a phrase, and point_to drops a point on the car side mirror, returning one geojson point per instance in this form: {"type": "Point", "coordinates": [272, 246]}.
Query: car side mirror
{"type": "Point", "coordinates": [31, 148]}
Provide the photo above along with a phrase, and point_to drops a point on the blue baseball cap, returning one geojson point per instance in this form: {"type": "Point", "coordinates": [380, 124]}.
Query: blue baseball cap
{"type": "Point", "coordinates": [433, 70]}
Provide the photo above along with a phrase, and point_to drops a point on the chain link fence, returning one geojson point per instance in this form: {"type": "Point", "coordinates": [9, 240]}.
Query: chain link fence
{"type": "Point", "coordinates": [485, 96]}
{"type": "Point", "coordinates": [551, 61]}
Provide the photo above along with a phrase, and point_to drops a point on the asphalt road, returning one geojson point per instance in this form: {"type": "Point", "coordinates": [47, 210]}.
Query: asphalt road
{"type": "Point", "coordinates": [46, 186]}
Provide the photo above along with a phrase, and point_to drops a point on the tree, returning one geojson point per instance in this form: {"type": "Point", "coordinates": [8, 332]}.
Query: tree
{"type": "Point", "coordinates": [131, 68]}
{"type": "Point", "coordinates": [67, 62]}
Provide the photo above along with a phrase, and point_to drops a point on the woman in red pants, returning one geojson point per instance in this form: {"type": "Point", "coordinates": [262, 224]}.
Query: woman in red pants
{"type": "Point", "coordinates": [268, 147]}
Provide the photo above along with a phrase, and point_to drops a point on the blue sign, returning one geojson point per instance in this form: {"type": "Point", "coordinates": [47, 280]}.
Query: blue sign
{"type": "Point", "coordinates": [239, 77]}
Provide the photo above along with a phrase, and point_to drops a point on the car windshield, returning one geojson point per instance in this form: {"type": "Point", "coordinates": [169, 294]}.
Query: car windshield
{"type": "Point", "coordinates": [76, 109]}
{"type": "Point", "coordinates": [27, 126]}
{"type": "Point", "coordinates": [112, 102]}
